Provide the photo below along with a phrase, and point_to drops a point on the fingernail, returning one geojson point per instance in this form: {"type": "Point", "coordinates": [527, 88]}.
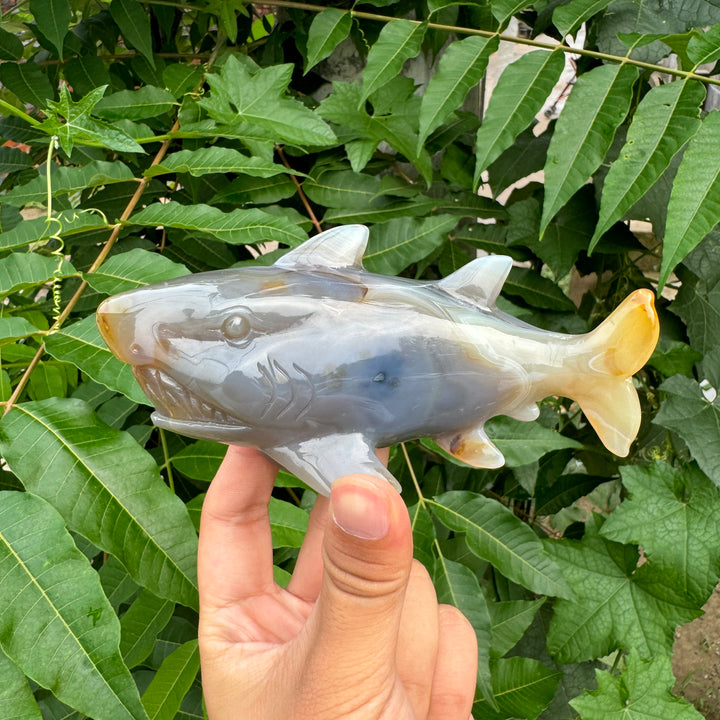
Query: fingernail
{"type": "Point", "coordinates": [360, 510]}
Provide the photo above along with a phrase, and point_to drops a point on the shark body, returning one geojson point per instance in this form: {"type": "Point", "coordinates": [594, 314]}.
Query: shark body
{"type": "Point", "coordinates": [317, 362]}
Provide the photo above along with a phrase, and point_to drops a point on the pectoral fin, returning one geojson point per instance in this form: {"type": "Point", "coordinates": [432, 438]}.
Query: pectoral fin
{"type": "Point", "coordinates": [320, 461]}
{"type": "Point", "coordinates": [472, 447]}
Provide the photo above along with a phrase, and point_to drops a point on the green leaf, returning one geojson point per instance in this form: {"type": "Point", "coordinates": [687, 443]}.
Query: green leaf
{"type": "Point", "coordinates": [238, 97]}
{"type": "Point", "coordinates": [510, 619]}
{"type": "Point", "coordinates": [134, 25]}
{"type": "Point", "coordinates": [239, 227]}
{"type": "Point", "coordinates": [343, 189]}
{"type": "Point", "coordinates": [524, 442]}
{"type": "Point", "coordinates": [27, 82]}
{"type": "Point", "coordinates": [199, 460]}
{"type": "Point", "coordinates": [568, 18]}
{"type": "Point", "coordinates": [13, 160]}
{"type": "Point", "coordinates": [257, 191]}
{"type": "Point", "coordinates": [11, 47]}
{"type": "Point", "coordinates": [16, 698]}
{"type": "Point", "coordinates": [584, 132]}
{"type": "Point", "coordinates": [615, 604]}
{"type": "Point", "coordinates": [140, 625]}
{"type": "Point", "coordinates": [536, 290]}
{"type": "Point", "coordinates": [172, 681]}
{"type": "Point", "coordinates": [288, 523]}
{"type": "Point", "coordinates": [503, 10]}
{"type": "Point", "coordinates": [86, 72]}
{"type": "Point", "coordinates": [667, 117]}
{"type": "Point", "coordinates": [71, 122]}
{"type": "Point", "coordinates": [145, 102]}
{"type": "Point", "coordinates": [131, 514]}
{"type": "Point", "coordinates": [696, 419]}
{"type": "Point", "coordinates": [457, 585]}
{"type": "Point", "coordinates": [399, 40]}
{"type": "Point", "coordinates": [133, 269]}
{"type": "Point", "coordinates": [56, 623]}
{"type": "Point", "coordinates": [643, 691]}
{"type": "Point", "coordinates": [522, 688]}
{"type": "Point", "coordinates": [24, 270]}
{"type": "Point", "coordinates": [15, 328]}
{"type": "Point", "coordinates": [216, 160]}
{"type": "Point", "coordinates": [53, 20]}
{"type": "Point", "coordinates": [705, 47]}
{"type": "Point", "coordinates": [517, 98]}
{"type": "Point", "coordinates": [424, 536]}
{"type": "Point", "coordinates": [695, 199]}
{"type": "Point", "coordinates": [461, 67]}
{"type": "Point", "coordinates": [496, 535]}
{"type": "Point", "coordinates": [63, 224]}
{"type": "Point", "coordinates": [698, 301]}
{"type": "Point", "coordinates": [675, 516]}
{"type": "Point", "coordinates": [67, 180]}
{"type": "Point", "coordinates": [327, 30]}
{"type": "Point", "coordinates": [82, 345]}
{"type": "Point", "coordinates": [116, 582]}
{"type": "Point", "coordinates": [398, 243]}
{"type": "Point", "coordinates": [564, 491]}
{"type": "Point", "coordinates": [180, 78]}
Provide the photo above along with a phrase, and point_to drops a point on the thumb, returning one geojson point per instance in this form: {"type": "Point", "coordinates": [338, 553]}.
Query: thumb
{"type": "Point", "coordinates": [367, 555]}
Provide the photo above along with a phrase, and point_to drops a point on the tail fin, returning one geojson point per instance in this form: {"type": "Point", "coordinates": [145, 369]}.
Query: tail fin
{"type": "Point", "coordinates": [617, 349]}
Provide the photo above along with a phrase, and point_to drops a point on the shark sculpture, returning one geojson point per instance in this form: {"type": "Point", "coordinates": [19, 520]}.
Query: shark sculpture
{"type": "Point", "coordinates": [317, 362]}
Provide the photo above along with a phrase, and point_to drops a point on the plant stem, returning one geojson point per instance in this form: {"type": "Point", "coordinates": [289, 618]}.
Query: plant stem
{"type": "Point", "coordinates": [12, 110]}
{"type": "Point", "coordinates": [304, 199]}
{"type": "Point", "coordinates": [517, 40]}
{"type": "Point", "coordinates": [166, 455]}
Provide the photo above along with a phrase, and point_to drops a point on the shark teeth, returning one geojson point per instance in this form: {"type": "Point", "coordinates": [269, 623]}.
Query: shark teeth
{"type": "Point", "coordinates": [174, 401]}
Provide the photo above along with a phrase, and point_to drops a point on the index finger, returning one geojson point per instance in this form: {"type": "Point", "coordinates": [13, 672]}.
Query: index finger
{"type": "Point", "coordinates": [235, 557]}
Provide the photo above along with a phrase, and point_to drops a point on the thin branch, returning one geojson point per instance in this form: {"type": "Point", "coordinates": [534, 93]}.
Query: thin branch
{"type": "Point", "coordinates": [301, 193]}
{"type": "Point", "coordinates": [689, 74]}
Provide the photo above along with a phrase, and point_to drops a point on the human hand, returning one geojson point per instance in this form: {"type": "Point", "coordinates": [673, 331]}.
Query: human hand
{"type": "Point", "coordinates": [358, 633]}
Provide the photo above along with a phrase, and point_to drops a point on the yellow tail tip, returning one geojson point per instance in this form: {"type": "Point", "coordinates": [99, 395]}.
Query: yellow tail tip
{"type": "Point", "coordinates": [630, 334]}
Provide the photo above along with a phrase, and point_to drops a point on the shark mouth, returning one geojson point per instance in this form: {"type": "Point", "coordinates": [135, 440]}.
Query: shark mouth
{"type": "Point", "coordinates": [175, 402]}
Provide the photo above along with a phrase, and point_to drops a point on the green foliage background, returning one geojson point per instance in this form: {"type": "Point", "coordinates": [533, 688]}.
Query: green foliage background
{"type": "Point", "coordinates": [147, 140]}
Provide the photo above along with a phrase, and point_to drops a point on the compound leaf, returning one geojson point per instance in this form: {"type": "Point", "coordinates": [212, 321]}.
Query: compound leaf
{"type": "Point", "coordinates": [63, 452]}
{"type": "Point", "coordinates": [584, 132]}
{"type": "Point", "coordinates": [666, 118]}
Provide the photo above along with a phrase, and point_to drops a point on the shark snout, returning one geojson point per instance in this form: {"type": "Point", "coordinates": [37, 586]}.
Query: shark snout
{"type": "Point", "coordinates": [117, 322]}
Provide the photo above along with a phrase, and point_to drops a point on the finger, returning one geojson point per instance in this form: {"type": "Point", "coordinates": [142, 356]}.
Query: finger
{"type": "Point", "coordinates": [235, 551]}
{"type": "Point", "coordinates": [453, 687]}
{"type": "Point", "coordinates": [307, 576]}
{"type": "Point", "coordinates": [418, 639]}
{"type": "Point", "coordinates": [367, 555]}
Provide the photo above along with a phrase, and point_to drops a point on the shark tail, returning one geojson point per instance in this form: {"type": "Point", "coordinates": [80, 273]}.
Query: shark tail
{"type": "Point", "coordinates": [615, 351]}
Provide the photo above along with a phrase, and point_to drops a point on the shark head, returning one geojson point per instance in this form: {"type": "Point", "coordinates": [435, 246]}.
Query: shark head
{"type": "Point", "coordinates": [209, 350]}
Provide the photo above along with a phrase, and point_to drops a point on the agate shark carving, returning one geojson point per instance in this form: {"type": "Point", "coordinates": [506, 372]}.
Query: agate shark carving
{"type": "Point", "coordinates": [317, 362]}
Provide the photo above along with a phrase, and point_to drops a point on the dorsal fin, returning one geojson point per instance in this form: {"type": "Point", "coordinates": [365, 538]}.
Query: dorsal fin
{"type": "Point", "coordinates": [336, 248]}
{"type": "Point", "coordinates": [481, 280]}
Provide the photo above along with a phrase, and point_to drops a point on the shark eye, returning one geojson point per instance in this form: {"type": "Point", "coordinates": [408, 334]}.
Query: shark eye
{"type": "Point", "coordinates": [235, 327]}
